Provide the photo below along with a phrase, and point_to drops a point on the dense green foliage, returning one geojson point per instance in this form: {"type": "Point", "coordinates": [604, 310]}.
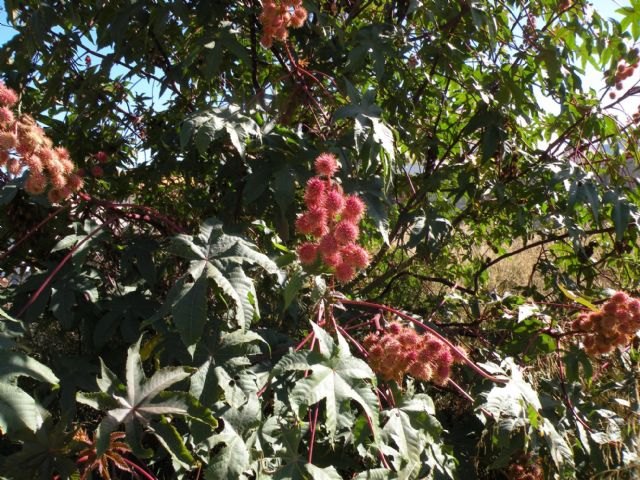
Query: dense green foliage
{"type": "Point", "coordinates": [165, 300]}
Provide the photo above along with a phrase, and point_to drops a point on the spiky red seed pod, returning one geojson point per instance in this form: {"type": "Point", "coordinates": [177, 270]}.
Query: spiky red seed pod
{"type": "Point", "coordinates": [55, 195]}
{"type": "Point", "coordinates": [14, 166]}
{"type": "Point", "coordinates": [334, 202]}
{"type": "Point", "coordinates": [441, 373]}
{"type": "Point", "coordinates": [586, 324]}
{"type": "Point", "coordinates": [266, 41]}
{"type": "Point", "coordinates": [6, 116]}
{"type": "Point", "coordinates": [75, 182]}
{"type": "Point", "coordinates": [101, 156]}
{"type": "Point", "coordinates": [376, 351]}
{"type": "Point", "coordinates": [308, 253]}
{"type": "Point", "coordinates": [35, 184]}
{"type": "Point", "coordinates": [609, 307]}
{"type": "Point", "coordinates": [326, 164]}
{"type": "Point", "coordinates": [354, 209]}
{"type": "Point", "coordinates": [8, 140]}
{"type": "Point", "coordinates": [8, 97]}
{"type": "Point", "coordinates": [355, 255]}
{"type": "Point", "coordinates": [619, 297]}
{"type": "Point", "coordinates": [433, 346]}
{"type": "Point", "coordinates": [344, 272]}
{"type": "Point", "coordinates": [328, 245]}
{"type": "Point", "coordinates": [67, 165]}
{"type": "Point", "coordinates": [97, 171]}
{"type": "Point", "coordinates": [421, 371]}
{"type": "Point", "coordinates": [299, 17]}
{"type": "Point", "coordinates": [408, 338]}
{"type": "Point", "coordinates": [34, 163]}
{"type": "Point", "coordinates": [314, 192]}
{"type": "Point", "coordinates": [411, 356]}
{"type": "Point", "coordinates": [58, 181]}
{"type": "Point", "coordinates": [320, 230]}
{"type": "Point", "coordinates": [332, 259]}
{"type": "Point", "coordinates": [317, 216]}
{"type": "Point", "coordinates": [304, 225]}
{"type": "Point", "coordinates": [394, 328]}
{"type": "Point", "coordinates": [346, 232]}
{"type": "Point", "coordinates": [445, 356]}
{"type": "Point", "coordinates": [370, 340]}
{"type": "Point", "coordinates": [596, 317]}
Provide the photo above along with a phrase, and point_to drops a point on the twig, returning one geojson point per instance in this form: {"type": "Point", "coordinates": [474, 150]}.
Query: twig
{"type": "Point", "coordinates": [62, 263]}
{"type": "Point", "coordinates": [32, 231]}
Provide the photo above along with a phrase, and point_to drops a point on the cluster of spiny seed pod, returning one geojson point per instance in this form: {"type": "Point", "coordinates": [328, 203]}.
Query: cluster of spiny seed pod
{"type": "Point", "coordinates": [613, 326]}
{"type": "Point", "coordinates": [332, 218]}
{"type": "Point", "coordinates": [277, 17]}
{"type": "Point", "coordinates": [524, 468]}
{"type": "Point", "coordinates": [24, 145]}
{"type": "Point", "coordinates": [623, 71]}
{"type": "Point", "coordinates": [401, 350]}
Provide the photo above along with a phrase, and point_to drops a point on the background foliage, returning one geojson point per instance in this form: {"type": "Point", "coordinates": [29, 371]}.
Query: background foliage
{"type": "Point", "coordinates": [166, 301]}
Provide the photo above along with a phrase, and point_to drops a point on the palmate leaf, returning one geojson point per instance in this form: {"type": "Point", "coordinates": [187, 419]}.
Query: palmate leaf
{"type": "Point", "coordinates": [232, 457]}
{"type": "Point", "coordinates": [18, 410]}
{"type": "Point", "coordinates": [141, 401]}
{"type": "Point", "coordinates": [16, 364]}
{"type": "Point", "coordinates": [416, 432]}
{"type": "Point", "coordinates": [517, 405]}
{"type": "Point", "coordinates": [44, 453]}
{"type": "Point", "coordinates": [219, 258]}
{"type": "Point", "coordinates": [336, 377]}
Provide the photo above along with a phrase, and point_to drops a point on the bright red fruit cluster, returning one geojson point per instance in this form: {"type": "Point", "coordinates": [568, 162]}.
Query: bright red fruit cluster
{"type": "Point", "coordinates": [279, 15]}
{"type": "Point", "coordinates": [401, 350]}
{"type": "Point", "coordinates": [23, 144]}
{"type": "Point", "coordinates": [332, 219]}
{"type": "Point", "coordinates": [613, 326]}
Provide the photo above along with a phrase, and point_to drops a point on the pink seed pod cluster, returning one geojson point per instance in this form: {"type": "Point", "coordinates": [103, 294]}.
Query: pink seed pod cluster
{"type": "Point", "coordinates": [612, 326]}
{"type": "Point", "coordinates": [401, 350]}
{"type": "Point", "coordinates": [24, 145]}
{"type": "Point", "coordinates": [332, 219]}
{"type": "Point", "coordinates": [277, 17]}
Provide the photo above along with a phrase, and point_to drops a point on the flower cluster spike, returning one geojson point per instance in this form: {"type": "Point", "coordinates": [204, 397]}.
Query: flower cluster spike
{"type": "Point", "coordinates": [614, 325]}
{"type": "Point", "coordinates": [332, 218]}
{"type": "Point", "coordinates": [23, 144]}
{"type": "Point", "coordinates": [401, 350]}
{"type": "Point", "coordinates": [277, 17]}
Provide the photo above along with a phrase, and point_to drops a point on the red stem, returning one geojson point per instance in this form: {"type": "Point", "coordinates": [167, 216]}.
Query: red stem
{"type": "Point", "coordinates": [62, 263]}
{"type": "Point", "coordinates": [460, 390]}
{"type": "Point", "coordinates": [304, 341]}
{"type": "Point", "coordinates": [353, 327]}
{"type": "Point", "coordinates": [32, 231]}
{"type": "Point", "coordinates": [139, 469]}
{"type": "Point", "coordinates": [355, 343]}
{"type": "Point", "coordinates": [313, 425]}
{"type": "Point", "coordinates": [458, 352]}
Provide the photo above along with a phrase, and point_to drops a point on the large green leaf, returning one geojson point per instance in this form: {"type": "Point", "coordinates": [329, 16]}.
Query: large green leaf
{"type": "Point", "coordinates": [144, 399]}
{"type": "Point", "coordinates": [18, 410]}
{"type": "Point", "coordinates": [232, 457]}
{"type": "Point", "coordinates": [220, 258]}
{"type": "Point", "coordinates": [15, 364]}
{"type": "Point", "coordinates": [336, 376]}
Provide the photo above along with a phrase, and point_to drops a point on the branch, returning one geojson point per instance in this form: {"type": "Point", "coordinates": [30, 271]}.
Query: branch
{"type": "Point", "coordinates": [553, 238]}
{"type": "Point", "coordinates": [55, 271]}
